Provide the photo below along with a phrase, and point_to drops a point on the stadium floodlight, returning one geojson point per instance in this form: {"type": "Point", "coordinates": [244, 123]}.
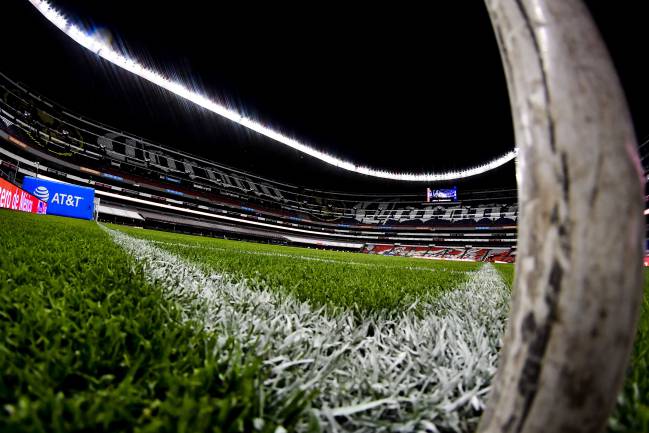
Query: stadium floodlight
{"type": "Point", "coordinates": [102, 49]}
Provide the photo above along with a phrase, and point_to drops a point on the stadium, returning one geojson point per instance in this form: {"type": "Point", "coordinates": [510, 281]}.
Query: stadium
{"type": "Point", "coordinates": [235, 277]}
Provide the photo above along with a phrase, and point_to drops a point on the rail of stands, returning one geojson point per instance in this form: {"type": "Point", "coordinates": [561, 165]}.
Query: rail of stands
{"type": "Point", "coordinates": [137, 196]}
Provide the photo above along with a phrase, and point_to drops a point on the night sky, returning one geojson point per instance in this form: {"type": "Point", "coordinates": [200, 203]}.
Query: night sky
{"type": "Point", "coordinates": [406, 89]}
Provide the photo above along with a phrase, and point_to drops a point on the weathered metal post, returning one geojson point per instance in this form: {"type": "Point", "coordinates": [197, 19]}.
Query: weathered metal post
{"type": "Point", "coordinates": [580, 243]}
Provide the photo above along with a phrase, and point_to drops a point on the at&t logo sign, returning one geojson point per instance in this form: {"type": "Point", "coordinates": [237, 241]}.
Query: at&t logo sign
{"type": "Point", "coordinates": [58, 198]}
{"type": "Point", "coordinates": [42, 193]}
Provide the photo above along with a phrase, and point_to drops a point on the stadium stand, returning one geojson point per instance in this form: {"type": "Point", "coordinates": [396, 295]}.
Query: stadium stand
{"type": "Point", "coordinates": [149, 185]}
{"type": "Point", "coordinates": [499, 255]}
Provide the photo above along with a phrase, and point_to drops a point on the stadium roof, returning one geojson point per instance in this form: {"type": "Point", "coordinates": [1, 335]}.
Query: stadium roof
{"type": "Point", "coordinates": [404, 90]}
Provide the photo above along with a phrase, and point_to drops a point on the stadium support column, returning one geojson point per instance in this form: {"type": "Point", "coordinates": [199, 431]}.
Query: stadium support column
{"type": "Point", "coordinates": [578, 280]}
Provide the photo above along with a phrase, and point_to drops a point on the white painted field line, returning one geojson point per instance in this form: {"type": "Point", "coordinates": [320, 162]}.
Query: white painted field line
{"type": "Point", "coordinates": [307, 258]}
{"type": "Point", "coordinates": [404, 372]}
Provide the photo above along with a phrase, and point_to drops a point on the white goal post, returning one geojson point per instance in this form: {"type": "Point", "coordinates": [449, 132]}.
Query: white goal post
{"type": "Point", "coordinates": [578, 281]}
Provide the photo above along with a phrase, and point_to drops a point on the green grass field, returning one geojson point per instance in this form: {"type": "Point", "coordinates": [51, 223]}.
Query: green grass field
{"type": "Point", "coordinates": [88, 345]}
{"type": "Point", "coordinates": [108, 328]}
{"type": "Point", "coordinates": [632, 414]}
{"type": "Point", "coordinates": [361, 282]}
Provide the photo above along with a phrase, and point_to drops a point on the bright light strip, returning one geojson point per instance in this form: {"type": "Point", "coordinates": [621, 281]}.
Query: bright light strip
{"type": "Point", "coordinates": [98, 47]}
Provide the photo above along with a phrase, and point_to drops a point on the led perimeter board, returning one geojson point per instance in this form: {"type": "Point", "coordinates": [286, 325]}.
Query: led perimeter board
{"type": "Point", "coordinates": [62, 199]}
{"type": "Point", "coordinates": [12, 197]}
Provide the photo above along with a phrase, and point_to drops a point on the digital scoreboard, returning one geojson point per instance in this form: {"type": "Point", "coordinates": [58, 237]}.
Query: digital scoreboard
{"type": "Point", "coordinates": [441, 195]}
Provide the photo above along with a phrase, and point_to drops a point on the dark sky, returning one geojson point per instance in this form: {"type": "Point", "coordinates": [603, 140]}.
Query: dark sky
{"type": "Point", "coordinates": [397, 88]}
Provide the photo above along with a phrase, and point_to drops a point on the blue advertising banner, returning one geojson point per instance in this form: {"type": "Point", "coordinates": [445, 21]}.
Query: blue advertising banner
{"type": "Point", "coordinates": [62, 198]}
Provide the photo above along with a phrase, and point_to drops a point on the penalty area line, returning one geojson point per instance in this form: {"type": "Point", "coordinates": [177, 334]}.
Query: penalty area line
{"type": "Point", "coordinates": [373, 373]}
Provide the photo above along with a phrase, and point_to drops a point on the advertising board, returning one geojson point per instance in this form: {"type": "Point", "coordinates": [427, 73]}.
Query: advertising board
{"type": "Point", "coordinates": [62, 198]}
{"type": "Point", "coordinates": [12, 197]}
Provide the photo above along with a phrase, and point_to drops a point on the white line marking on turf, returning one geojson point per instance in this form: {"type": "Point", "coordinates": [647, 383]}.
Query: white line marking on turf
{"type": "Point", "coordinates": [379, 374]}
{"type": "Point", "coordinates": [308, 258]}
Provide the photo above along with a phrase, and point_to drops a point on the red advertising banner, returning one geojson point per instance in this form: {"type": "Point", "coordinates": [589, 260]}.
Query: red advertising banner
{"type": "Point", "coordinates": [12, 197]}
